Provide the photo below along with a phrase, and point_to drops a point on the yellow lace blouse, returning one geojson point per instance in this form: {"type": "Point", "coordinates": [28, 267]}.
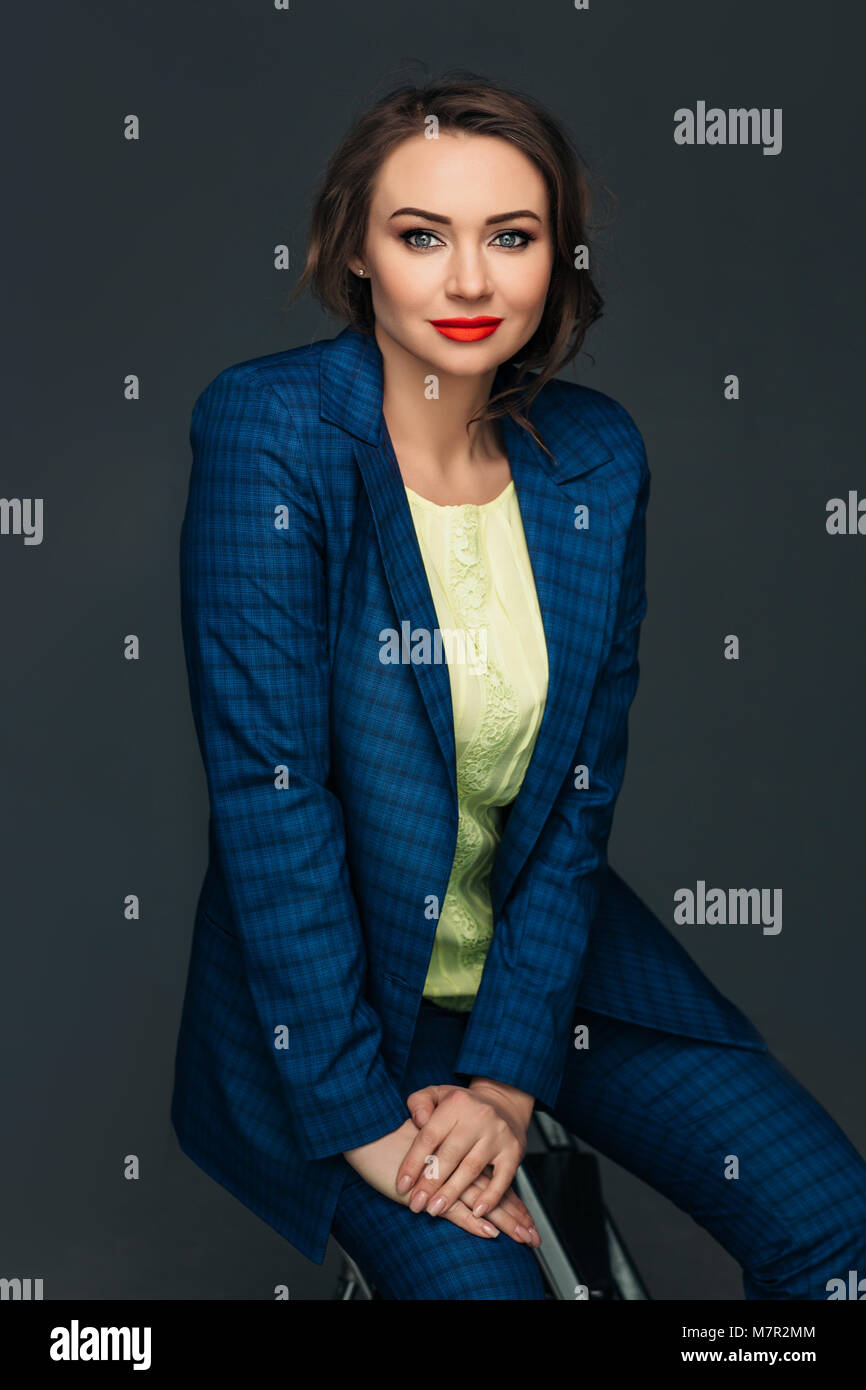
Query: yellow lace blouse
{"type": "Point", "coordinates": [483, 590]}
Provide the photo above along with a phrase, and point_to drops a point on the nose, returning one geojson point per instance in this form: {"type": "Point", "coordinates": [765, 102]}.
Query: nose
{"type": "Point", "coordinates": [467, 274]}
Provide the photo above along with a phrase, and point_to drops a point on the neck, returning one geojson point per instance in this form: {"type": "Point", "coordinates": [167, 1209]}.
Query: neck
{"type": "Point", "coordinates": [433, 431]}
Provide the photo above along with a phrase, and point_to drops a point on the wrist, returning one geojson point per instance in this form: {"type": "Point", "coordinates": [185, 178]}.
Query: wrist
{"type": "Point", "coordinates": [521, 1101]}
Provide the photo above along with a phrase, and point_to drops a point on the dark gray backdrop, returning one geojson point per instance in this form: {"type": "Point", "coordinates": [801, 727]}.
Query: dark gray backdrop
{"type": "Point", "coordinates": [155, 257]}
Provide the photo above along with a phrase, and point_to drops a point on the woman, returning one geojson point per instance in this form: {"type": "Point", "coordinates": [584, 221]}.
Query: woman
{"type": "Point", "coordinates": [413, 582]}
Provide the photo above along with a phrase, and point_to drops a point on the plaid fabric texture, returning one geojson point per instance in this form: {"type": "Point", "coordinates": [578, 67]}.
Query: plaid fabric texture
{"type": "Point", "coordinates": [332, 783]}
{"type": "Point", "coordinates": [672, 1110]}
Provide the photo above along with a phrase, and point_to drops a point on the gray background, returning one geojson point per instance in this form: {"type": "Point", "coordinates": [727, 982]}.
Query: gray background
{"type": "Point", "coordinates": [156, 258]}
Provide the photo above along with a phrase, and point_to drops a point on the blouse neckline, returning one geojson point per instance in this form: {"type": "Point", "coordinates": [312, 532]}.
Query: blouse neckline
{"type": "Point", "coordinates": [460, 506]}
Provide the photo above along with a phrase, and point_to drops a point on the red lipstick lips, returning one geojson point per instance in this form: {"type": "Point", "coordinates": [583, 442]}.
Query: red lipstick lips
{"type": "Point", "coordinates": [464, 330]}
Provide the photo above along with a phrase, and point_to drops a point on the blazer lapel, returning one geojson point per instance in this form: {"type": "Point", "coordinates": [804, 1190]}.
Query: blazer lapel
{"type": "Point", "coordinates": [571, 569]}
{"type": "Point", "coordinates": [407, 579]}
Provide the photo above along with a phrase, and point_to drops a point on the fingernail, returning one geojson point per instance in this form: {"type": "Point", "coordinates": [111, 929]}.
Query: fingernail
{"type": "Point", "coordinates": [436, 1206]}
{"type": "Point", "coordinates": [480, 1208]}
{"type": "Point", "coordinates": [418, 1201]}
{"type": "Point", "coordinates": [404, 1183]}
{"type": "Point", "coordinates": [488, 1229]}
{"type": "Point", "coordinates": [522, 1232]}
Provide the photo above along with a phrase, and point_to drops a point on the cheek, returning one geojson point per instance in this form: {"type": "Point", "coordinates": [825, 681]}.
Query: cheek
{"type": "Point", "coordinates": [402, 282]}
{"type": "Point", "coordinates": [529, 284]}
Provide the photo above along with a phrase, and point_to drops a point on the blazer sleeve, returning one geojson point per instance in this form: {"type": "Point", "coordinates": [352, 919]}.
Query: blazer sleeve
{"type": "Point", "coordinates": [254, 619]}
{"type": "Point", "coordinates": [519, 1027]}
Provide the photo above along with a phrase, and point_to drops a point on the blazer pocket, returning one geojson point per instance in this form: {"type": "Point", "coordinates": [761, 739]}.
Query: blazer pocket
{"type": "Point", "coordinates": [396, 980]}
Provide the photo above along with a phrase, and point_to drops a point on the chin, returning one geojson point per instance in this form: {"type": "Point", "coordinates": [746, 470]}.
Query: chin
{"type": "Point", "coordinates": [470, 364]}
{"type": "Point", "coordinates": [466, 359]}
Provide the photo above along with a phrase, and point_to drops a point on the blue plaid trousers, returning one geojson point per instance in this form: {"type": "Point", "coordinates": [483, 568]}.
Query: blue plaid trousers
{"type": "Point", "coordinates": [670, 1109]}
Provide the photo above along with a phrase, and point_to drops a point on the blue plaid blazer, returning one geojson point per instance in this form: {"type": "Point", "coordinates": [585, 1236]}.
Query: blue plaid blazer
{"type": "Point", "coordinates": [332, 782]}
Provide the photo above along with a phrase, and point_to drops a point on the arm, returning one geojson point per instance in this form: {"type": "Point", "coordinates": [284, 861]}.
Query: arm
{"type": "Point", "coordinates": [254, 617]}
{"type": "Point", "coordinates": [518, 1030]}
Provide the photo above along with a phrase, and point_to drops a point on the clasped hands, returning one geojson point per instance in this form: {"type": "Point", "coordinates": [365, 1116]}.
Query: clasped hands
{"type": "Point", "coordinates": [456, 1157]}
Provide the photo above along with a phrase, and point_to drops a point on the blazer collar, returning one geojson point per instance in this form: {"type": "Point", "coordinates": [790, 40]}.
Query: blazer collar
{"type": "Point", "coordinates": [571, 569]}
{"type": "Point", "coordinates": [351, 389]}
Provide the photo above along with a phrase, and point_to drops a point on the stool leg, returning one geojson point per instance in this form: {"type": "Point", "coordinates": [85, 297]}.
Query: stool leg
{"type": "Point", "coordinates": [351, 1283]}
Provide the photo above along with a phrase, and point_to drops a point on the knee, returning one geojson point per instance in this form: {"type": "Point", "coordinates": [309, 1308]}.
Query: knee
{"type": "Point", "coordinates": [409, 1255]}
{"type": "Point", "coordinates": [471, 1269]}
{"type": "Point", "coordinates": [820, 1258]}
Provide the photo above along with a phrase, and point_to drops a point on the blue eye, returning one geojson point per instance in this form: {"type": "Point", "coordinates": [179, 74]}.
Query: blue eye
{"type": "Point", "coordinates": [425, 232]}
{"type": "Point", "coordinates": [514, 232]}
{"type": "Point", "coordinates": [417, 231]}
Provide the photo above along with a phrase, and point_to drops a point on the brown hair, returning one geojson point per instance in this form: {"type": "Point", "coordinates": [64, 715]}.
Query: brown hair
{"type": "Point", "coordinates": [471, 103]}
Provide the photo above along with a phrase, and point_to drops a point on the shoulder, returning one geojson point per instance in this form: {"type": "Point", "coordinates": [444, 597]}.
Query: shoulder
{"type": "Point", "coordinates": [287, 379]}
{"type": "Point", "coordinates": [598, 412]}
{"type": "Point", "coordinates": [579, 420]}
{"type": "Point", "coordinates": [249, 421]}
{"type": "Point", "coordinates": [246, 427]}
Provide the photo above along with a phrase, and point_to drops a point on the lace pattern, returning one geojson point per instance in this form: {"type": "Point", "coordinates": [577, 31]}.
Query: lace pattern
{"type": "Point", "coordinates": [470, 585]}
{"type": "Point", "coordinates": [497, 709]}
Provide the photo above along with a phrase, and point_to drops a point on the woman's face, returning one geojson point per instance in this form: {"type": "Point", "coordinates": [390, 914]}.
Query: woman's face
{"type": "Point", "coordinates": [476, 244]}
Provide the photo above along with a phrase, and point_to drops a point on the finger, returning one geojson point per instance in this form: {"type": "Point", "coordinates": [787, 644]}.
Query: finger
{"type": "Point", "coordinates": [524, 1232]}
{"type": "Point", "coordinates": [511, 1216]}
{"type": "Point", "coordinates": [505, 1165]}
{"type": "Point", "coordinates": [467, 1170]}
{"type": "Point", "coordinates": [422, 1103]}
{"type": "Point", "coordinates": [461, 1216]}
{"type": "Point", "coordinates": [445, 1162]}
{"type": "Point", "coordinates": [423, 1148]}
{"type": "Point", "coordinates": [510, 1204]}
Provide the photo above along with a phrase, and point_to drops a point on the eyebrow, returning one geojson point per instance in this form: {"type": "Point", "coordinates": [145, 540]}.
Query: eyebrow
{"type": "Point", "coordinates": [436, 217]}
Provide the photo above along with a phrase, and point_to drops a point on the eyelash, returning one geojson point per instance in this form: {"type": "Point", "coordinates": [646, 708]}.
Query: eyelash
{"type": "Point", "coordinates": [425, 231]}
